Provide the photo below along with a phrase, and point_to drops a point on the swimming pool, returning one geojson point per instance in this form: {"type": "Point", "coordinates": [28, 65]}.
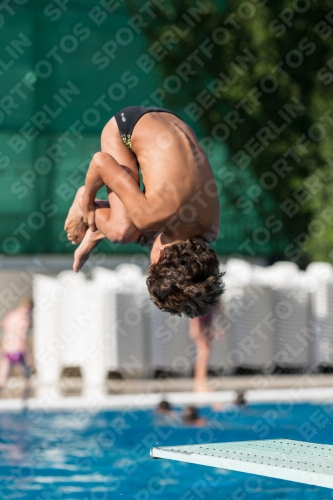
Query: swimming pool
{"type": "Point", "coordinates": [104, 455]}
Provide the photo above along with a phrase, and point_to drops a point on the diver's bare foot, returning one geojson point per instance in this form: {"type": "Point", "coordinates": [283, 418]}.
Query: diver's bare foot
{"type": "Point", "coordinates": [89, 242]}
{"type": "Point", "coordinates": [74, 225]}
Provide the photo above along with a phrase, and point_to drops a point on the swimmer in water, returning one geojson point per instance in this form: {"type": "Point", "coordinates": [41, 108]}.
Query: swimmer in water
{"type": "Point", "coordinates": [192, 417]}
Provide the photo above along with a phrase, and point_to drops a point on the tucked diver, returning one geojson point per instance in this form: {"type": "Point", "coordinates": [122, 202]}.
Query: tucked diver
{"type": "Point", "coordinates": [177, 212]}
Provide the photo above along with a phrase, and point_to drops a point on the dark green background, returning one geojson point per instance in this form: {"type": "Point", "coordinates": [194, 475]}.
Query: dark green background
{"type": "Point", "coordinates": [33, 210]}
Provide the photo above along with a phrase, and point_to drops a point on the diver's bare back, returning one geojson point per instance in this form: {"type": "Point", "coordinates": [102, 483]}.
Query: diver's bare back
{"type": "Point", "coordinates": [176, 173]}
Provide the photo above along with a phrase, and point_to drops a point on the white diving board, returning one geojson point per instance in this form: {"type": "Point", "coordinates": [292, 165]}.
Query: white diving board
{"type": "Point", "coordinates": [299, 461]}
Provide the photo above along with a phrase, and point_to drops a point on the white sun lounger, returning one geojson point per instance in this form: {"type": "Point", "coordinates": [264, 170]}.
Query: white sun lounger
{"type": "Point", "coordinates": [299, 461]}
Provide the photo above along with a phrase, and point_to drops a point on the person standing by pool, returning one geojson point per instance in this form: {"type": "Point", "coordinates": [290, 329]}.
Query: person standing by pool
{"type": "Point", "coordinates": [177, 213]}
{"type": "Point", "coordinates": [15, 327]}
{"type": "Point", "coordinates": [203, 330]}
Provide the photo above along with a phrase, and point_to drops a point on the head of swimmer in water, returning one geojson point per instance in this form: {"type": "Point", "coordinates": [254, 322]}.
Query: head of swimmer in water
{"type": "Point", "coordinates": [190, 414]}
{"type": "Point", "coordinates": [184, 276]}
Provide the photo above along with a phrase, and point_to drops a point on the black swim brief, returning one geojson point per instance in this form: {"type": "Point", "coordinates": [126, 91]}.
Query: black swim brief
{"type": "Point", "coordinates": [127, 118]}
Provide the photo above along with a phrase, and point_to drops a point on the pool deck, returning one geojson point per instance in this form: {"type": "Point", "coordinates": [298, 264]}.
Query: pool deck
{"type": "Point", "coordinates": [223, 383]}
{"type": "Point", "coordinates": [142, 394]}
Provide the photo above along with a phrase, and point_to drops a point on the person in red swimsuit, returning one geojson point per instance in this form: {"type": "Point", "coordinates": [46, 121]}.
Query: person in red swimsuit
{"type": "Point", "coordinates": [178, 213]}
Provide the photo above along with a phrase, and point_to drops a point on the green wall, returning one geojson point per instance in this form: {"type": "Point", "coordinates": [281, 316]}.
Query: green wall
{"type": "Point", "coordinates": [65, 68]}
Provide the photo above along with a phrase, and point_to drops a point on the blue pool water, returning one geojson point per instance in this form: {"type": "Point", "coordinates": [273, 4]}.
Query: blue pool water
{"type": "Point", "coordinates": [104, 455]}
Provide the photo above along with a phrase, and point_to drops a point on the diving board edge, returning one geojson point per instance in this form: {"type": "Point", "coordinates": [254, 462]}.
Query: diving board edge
{"type": "Point", "coordinates": [298, 476]}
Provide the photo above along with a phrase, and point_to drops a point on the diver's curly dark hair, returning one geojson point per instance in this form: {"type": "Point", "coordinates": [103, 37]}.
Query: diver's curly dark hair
{"type": "Point", "coordinates": [187, 280]}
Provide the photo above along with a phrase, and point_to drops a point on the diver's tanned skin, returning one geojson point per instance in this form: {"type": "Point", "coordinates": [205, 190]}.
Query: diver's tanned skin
{"type": "Point", "coordinates": [180, 200]}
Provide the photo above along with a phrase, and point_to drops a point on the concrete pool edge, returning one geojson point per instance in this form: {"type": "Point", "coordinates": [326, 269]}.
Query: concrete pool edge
{"type": "Point", "coordinates": [127, 402]}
